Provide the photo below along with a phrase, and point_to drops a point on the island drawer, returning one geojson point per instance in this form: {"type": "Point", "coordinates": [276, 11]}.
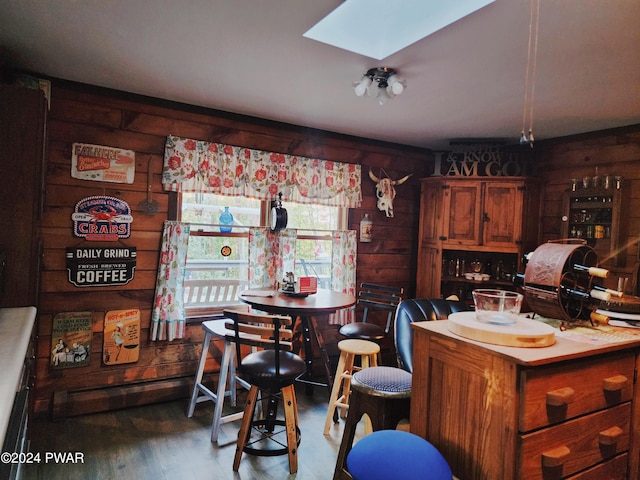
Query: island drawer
{"type": "Point", "coordinates": [554, 394]}
{"type": "Point", "coordinates": [562, 450]}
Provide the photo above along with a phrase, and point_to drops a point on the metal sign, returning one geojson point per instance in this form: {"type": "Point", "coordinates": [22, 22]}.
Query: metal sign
{"type": "Point", "coordinates": [102, 164]}
{"type": "Point", "coordinates": [99, 267]}
{"type": "Point", "coordinates": [478, 161]}
{"type": "Point", "coordinates": [102, 218]}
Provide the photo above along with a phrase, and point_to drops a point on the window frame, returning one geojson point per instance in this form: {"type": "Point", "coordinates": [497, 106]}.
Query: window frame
{"type": "Point", "coordinates": [199, 314]}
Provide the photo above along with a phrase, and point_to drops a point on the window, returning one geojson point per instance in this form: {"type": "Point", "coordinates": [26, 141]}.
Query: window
{"type": "Point", "coordinates": [217, 260]}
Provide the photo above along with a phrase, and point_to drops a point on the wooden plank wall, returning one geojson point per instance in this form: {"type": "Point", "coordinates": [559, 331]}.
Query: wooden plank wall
{"type": "Point", "coordinates": [95, 116]}
{"type": "Point", "coordinates": [614, 152]}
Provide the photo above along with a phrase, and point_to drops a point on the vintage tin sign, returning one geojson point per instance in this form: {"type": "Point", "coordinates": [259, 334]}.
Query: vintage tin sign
{"type": "Point", "coordinates": [100, 267]}
{"type": "Point", "coordinates": [71, 339]}
{"type": "Point", "coordinates": [121, 339]}
{"type": "Point", "coordinates": [102, 218]}
{"type": "Point", "coordinates": [102, 164]}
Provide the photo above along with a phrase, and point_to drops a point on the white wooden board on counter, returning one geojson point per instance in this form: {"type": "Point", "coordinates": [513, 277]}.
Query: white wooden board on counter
{"type": "Point", "coordinates": [524, 333]}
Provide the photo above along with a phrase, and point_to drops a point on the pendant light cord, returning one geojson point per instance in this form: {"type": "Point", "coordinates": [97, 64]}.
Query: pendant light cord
{"type": "Point", "coordinates": [532, 50]}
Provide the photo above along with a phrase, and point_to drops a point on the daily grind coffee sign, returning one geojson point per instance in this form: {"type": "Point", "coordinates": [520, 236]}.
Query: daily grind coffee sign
{"type": "Point", "coordinates": [99, 267]}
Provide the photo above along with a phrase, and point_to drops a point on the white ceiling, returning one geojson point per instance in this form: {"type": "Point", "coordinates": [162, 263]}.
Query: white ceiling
{"type": "Point", "coordinates": [249, 56]}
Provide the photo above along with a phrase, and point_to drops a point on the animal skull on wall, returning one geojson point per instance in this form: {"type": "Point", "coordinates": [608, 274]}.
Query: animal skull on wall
{"type": "Point", "coordinates": [386, 192]}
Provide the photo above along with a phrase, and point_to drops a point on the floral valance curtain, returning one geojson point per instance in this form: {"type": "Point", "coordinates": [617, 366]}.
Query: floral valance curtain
{"type": "Point", "coordinates": [198, 166]}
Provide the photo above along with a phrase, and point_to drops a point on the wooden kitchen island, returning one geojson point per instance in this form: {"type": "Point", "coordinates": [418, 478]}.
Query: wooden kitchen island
{"type": "Point", "coordinates": [569, 410]}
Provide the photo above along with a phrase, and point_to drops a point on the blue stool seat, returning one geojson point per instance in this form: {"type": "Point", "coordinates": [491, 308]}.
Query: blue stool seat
{"type": "Point", "coordinates": [396, 454]}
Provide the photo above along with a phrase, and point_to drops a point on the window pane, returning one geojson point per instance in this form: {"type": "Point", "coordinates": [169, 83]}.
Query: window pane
{"type": "Point", "coordinates": [312, 216]}
{"type": "Point", "coordinates": [313, 259]}
{"type": "Point", "coordinates": [217, 260]}
{"type": "Point", "coordinates": [207, 208]}
{"type": "Point", "coordinates": [313, 247]}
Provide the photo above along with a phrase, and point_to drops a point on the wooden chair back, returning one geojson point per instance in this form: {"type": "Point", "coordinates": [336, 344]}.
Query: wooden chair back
{"type": "Point", "coordinates": [260, 331]}
{"type": "Point", "coordinates": [380, 297]}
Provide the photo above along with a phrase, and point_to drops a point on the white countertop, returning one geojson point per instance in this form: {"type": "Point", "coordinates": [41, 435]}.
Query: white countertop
{"type": "Point", "coordinates": [16, 325]}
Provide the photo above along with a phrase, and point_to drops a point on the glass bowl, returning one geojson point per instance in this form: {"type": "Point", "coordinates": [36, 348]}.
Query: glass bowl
{"type": "Point", "coordinates": [500, 307]}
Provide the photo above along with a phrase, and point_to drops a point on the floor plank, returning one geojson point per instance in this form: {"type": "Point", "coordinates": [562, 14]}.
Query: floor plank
{"type": "Point", "coordinates": [159, 442]}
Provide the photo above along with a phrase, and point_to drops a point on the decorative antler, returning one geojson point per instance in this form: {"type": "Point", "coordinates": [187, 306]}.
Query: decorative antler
{"type": "Point", "coordinates": [402, 180]}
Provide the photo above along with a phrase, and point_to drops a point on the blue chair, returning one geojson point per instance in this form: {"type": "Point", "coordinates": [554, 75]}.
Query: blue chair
{"type": "Point", "coordinates": [396, 454]}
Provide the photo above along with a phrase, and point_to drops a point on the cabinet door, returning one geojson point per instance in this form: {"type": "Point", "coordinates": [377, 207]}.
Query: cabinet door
{"type": "Point", "coordinates": [429, 275]}
{"type": "Point", "coordinates": [429, 251]}
{"type": "Point", "coordinates": [462, 213]}
{"type": "Point", "coordinates": [501, 217]}
{"type": "Point", "coordinates": [431, 213]}
{"type": "Point", "coordinates": [22, 143]}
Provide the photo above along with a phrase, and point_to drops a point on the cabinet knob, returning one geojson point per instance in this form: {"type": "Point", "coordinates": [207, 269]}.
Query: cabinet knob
{"type": "Point", "coordinates": [613, 384]}
{"type": "Point", "coordinates": [442, 238]}
{"type": "Point", "coordinates": [485, 217]}
{"type": "Point", "coordinates": [610, 436]}
{"type": "Point", "coordinates": [555, 457]}
{"type": "Point", "coordinates": [560, 397]}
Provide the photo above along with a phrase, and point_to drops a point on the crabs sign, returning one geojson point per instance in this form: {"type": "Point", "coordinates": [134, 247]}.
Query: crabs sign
{"type": "Point", "coordinates": [102, 218]}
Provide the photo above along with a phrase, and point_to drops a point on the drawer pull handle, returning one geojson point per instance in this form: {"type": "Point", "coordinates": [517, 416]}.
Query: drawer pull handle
{"type": "Point", "coordinates": [556, 457]}
{"type": "Point", "coordinates": [560, 397]}
{"type": "Point", "coordinates": [610, 436]}
{"type": "Point", "coordinates": [616, 383]}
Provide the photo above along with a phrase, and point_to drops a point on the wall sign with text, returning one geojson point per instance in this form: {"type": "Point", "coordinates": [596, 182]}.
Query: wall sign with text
{"type": "Point", "coordinates": [102, 218]}
{"type": "Point", "coordinates": [102, 164]}
{"type": "Point", "coordinates": [121, 339]}
{"type": "Point", "coordinates": [101, 267]}
{"type": "Point", "coordinates": [71, 339]}
{"type": "Point", "coordinates": [481, 162]}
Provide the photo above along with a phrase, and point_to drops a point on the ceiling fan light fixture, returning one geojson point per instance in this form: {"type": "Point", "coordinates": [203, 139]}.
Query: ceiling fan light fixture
{"type": "Point", "coordinates": [363, 85]}
{"type": "Point", "coordinates": [383, 96]}
{"type": "Point", "coordinates": [387, 81]}
{"type": "Point", "coordinates": [395, 85]}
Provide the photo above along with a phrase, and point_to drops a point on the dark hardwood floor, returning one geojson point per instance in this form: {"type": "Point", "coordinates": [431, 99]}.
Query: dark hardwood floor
{"type": "Point", "coordinates": [159, 442]}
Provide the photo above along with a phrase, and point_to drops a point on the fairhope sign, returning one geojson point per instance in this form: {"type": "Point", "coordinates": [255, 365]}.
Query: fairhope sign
{"type": "Point", "coordinates": [98, 267]}
{"type": "Point", "coordinates": [482, 162]}
{"type": "Point", "coordinates": [102, 218]}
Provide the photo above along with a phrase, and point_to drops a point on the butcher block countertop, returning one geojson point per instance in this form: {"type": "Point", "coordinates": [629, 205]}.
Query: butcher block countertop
{"type": "Point", "coordinates": [16, 325]}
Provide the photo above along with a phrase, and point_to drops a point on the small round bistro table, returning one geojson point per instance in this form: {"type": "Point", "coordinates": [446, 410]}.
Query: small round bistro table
{"type": "Point", "coordinates": [310, 310]}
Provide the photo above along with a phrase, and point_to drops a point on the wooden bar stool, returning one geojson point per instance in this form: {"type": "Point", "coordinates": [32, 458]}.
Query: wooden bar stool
{"type": "Point", "coordinates": [384, 394]}
{"type": "Point", "coordinates": [339, 398]}
{"type": "Point", "coordinates": [271, 371]}
{"type": "Point", "coordinates": [201, 392]}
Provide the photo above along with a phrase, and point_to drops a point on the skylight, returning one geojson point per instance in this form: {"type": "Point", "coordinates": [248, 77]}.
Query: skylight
{"type": "Point", "coordinates": [379, 28]}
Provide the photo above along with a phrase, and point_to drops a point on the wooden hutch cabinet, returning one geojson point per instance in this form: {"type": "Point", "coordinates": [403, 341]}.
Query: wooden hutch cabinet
{"type": "Point", "coordinates": [474, 225]}
{"type": "Point", "coordinates": [593, 214]}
